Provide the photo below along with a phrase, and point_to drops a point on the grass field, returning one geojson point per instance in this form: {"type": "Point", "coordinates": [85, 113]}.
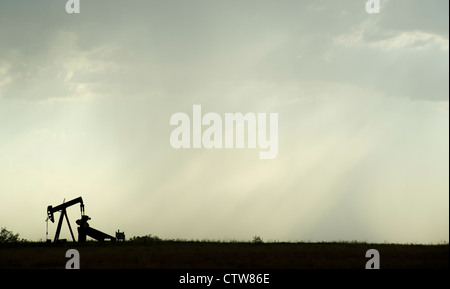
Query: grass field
{"type": "Point", "coordinates": [217, 255]}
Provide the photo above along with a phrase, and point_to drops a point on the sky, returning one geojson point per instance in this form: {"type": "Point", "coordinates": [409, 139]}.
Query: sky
{"type": "Point", "coordinates": [363, 118]}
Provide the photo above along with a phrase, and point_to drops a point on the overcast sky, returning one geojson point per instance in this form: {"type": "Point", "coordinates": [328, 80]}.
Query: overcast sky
{"type": "Point", "coordinates": [363, 105]}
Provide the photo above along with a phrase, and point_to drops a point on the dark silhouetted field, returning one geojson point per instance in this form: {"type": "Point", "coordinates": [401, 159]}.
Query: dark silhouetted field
{"type": "Point", "coordinates": [211, 255]}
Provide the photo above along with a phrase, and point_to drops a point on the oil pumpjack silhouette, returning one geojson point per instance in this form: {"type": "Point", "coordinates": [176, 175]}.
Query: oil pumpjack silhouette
{"type": "Point", "coordinates": [84, 229]}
